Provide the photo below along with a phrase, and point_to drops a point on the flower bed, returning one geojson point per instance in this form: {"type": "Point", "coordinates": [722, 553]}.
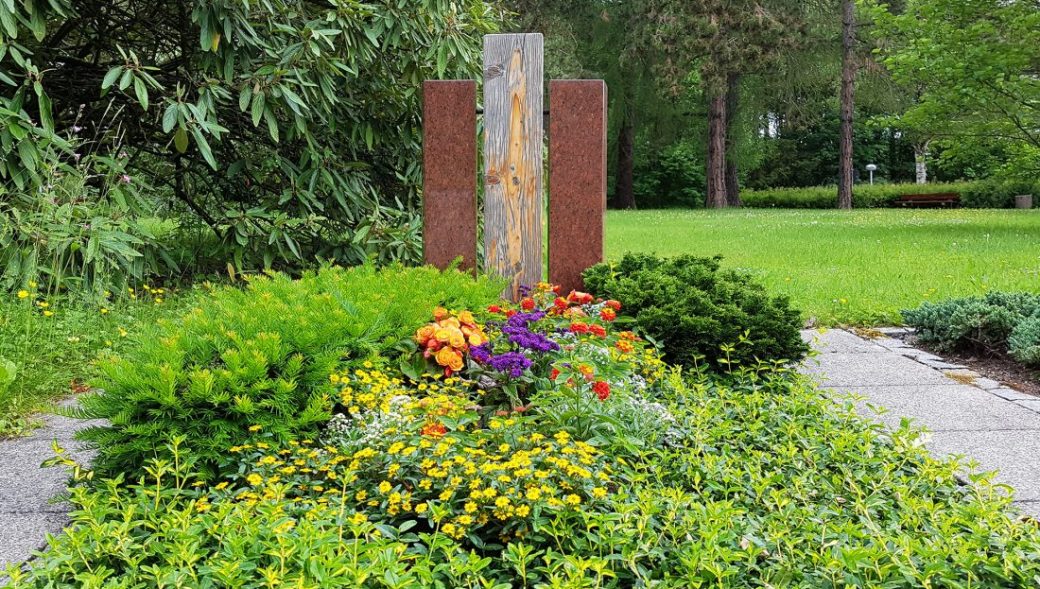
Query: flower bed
{"type": "Point", "coordinates": [545, 444]}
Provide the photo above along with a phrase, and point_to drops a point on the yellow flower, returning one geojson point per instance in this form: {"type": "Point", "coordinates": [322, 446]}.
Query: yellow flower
{"type": "Point", "coordinates": [599, 492]}
{"type": "Point", "coordinates": [523, 511]}
{"type": "Point", "coordinates": [572, 499]}
{"type": "Point", "coordinates": [420, 508]}
{"type": "Point", "coordinates": [255, 428]}
{"type": "Point", "coordinates": [384, 487]}
{"type": "Point", "coordinates": [104, 311]}
{"type": "Point", "coordinates": [358, 519]}
{"type": "Point", "coordinates": [48, 313]}
{"type": "Point", "coordinates": [254, 479]}
{"type": "Point", "coordinates": [23, 294]}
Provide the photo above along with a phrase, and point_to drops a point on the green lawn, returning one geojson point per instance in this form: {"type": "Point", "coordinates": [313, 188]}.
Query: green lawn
{"type": "Point", "coordinates": [858, 267]}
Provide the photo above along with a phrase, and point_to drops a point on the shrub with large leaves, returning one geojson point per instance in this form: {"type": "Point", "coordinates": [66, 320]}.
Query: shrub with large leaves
{"type": "Point", "coordinates": [289, 127]}
{"type": "Point", "coordinates": [258, 359]}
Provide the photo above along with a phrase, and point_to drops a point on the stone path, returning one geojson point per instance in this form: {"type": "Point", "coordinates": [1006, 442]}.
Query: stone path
{"type": "Point", "coordinates": [27, 510]}
{"type": "Point", "coordinates": [966, 414]}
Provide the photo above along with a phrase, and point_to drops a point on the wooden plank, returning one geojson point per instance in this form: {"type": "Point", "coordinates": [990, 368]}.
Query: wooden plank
{"type": "Point", "coordinates": [450, 172]}
{"type": "Point", "coordinates": [577, 178]}
{"type": "Point", "coordinates": [513, 197]}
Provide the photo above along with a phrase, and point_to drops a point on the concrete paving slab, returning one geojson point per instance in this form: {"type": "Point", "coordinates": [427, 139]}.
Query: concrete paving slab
{"type": "Point", "coordinates": [1013, 453]}
{"type": "Point", "coordinates": [1010, 394]}
{"type": "Point", "coordinates": [833, 341]}
{"type": "Point", "coordinates": [883, 369]}
{"type": "Point", "coordinates": [28, 510]}
{"type": "Point", "coordinates": [1029, 508]}
{"type": "Point", "coordinates": [1032, 405]}
{"type": "Point", "coordinates": [25, 534]}
{"type": "Point", "coordinates": [945, 407]}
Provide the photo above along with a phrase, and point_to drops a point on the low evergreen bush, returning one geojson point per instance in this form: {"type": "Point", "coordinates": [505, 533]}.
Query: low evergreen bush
{"type": "Point", "coordinates": [1024, 341]}
{"type": "Point", "coordinates": [693, 308]}
{"type": "Point", "coordinates": [978, 324]}
{"type": "Point", "coordinates": [257, 360]}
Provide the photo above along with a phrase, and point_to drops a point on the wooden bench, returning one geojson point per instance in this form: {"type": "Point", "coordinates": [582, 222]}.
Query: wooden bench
{"type": "Point", "coordinates": [935, 199]}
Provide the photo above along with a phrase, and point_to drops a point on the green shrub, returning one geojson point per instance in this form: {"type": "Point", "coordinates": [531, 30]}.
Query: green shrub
{"type": "Point", "coordinates": [864, 195]}
{"type": "Point", "coordinates": [259, 357]}
{"type": "Point", "coordinates": [1024, 341]}
{"type": "Point", "coordinates": [771, 484]}
{"type": "Point", "coordinates": [693, 308]}
{"type": "Point", "coordinates": [972, 323]}
{"type": "Point", "coordinates": [998, 193]}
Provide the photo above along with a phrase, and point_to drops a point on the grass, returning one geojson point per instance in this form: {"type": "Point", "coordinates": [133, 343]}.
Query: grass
{"type": "Point", "coordinates": [852, 268]}
{"type": "Point", "coordinates": [51, 343]}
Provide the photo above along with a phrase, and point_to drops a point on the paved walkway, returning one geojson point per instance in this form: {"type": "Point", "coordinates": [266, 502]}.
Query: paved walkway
{"type": "Point", "coordinates": [28, 511]}
{"type": "Point", "coordinates": [966, 414]}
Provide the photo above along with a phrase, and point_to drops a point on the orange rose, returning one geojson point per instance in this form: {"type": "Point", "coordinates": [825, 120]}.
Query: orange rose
{"type": "Point", "coordinates": [476, 339]}
{"type": "Point", "coordinates": [446, 356]}
{"type": "Point", "coordinates": [442, 335]}
{"type": "Point", "coordinates": [456, 339]}
{"type": "Point", "coordinates": [424, 334]}
{"type": "Point", "coordinates": [456, 362]}
{"type": "Point", "coordinates": [439, 313]}
{"type": "Point", "coordinates": [466, 318]}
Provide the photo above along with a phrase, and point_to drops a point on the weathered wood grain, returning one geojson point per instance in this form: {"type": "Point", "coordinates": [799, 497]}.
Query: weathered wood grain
{"type": "Point", "coordinates": [577, 178]}
{"type": "Point", "coordinates": [450, 172]}
{"type": "Point", "coordinates": [513, 197]}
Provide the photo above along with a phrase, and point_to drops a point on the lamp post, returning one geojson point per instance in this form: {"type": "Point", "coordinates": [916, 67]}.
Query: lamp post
{"type": "Point", "coordinates": [871, 168]}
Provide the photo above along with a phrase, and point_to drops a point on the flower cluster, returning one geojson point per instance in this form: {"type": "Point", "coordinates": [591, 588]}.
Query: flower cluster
{"type": "Point", "coordinates": [449, 337]}
{"type": "Point", "coordinates": [496, 479]}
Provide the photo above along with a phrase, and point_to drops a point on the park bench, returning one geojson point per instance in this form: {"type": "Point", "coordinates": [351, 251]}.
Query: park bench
{"type": "Point", "coordinates": [937, 199]}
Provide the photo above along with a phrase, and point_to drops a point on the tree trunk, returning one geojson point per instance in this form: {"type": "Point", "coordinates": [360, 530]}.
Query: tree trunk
{"type": "Point", "coordinates": [732, 158]}
{"type": "Point", "coordinates": [921, 162]}
{"type": "Point", "coordinates": [716, 169]}
{"type": "Point", "coordinates": [624, 190]}
{"type": "Point", "coordinates": [848, 88]}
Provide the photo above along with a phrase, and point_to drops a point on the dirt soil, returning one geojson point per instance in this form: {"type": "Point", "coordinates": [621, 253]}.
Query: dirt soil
{"type": "Point", "coordinates": [1002, 368]}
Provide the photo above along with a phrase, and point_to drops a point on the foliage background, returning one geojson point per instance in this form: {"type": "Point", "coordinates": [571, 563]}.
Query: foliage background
{"type": "Point", "coordinates": [288, 130]}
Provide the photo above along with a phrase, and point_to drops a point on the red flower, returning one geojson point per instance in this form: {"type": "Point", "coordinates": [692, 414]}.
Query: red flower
{"type": "Point", "coordinates": [527, 304]}
{"type": "Point", "coordinates": [510, 312]}
{"type": "Point", "coordinates": [582, 298]}
{"type": "Point", "coordinates": [494, 309]}
{"type": "Point", "coordinates": [602, 389]}
{"type": "Point", "coordinates": [608, 314]}
{"type": "Point", "coordinates": [616, 305]}
{"type": "Point", "coordinates": [598, 330]}
{"type": "Point", "coordinates": [434, 429]}
{"type": "Point", "coordinates": [579, 327]}
{"type": "Point", "coordinates": [560, 303]}
{"type": "Point", "coordinates": [555, 372]}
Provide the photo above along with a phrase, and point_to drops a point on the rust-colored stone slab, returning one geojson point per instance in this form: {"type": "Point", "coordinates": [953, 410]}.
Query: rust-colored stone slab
{"type": "Point", "coordinates": [577, 178]}
{"type": "Point", "coordinates": [450, 172]}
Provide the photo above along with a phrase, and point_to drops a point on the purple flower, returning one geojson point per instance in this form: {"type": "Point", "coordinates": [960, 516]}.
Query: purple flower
{"type": "Point", "coordinates": [481, 353]}
{"type": "Point", "coordinates": [511, 363]}
{"type": "Point", "coordinates": [524, 319]}
{"type": "Point", "coordinates": [529, 340]}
